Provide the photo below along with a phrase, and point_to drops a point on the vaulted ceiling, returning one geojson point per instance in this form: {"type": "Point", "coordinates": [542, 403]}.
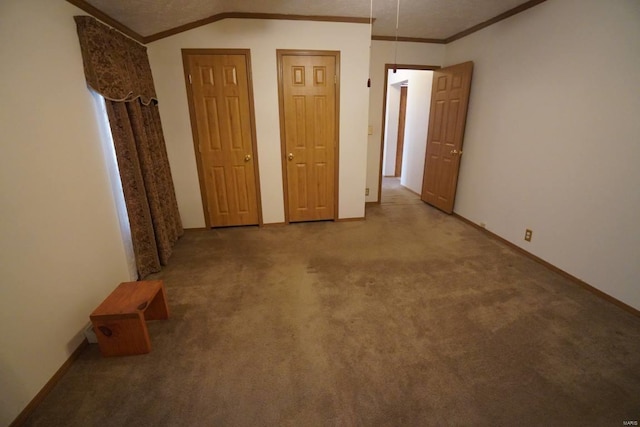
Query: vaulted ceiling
{"type": "Point", "coordinates": [438, 20]}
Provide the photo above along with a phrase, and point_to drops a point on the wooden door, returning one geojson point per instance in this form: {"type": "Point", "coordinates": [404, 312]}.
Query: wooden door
{"type": "Point", "coordinates": [402, 115]}
{"type": "Point", "coordinates": [447, 118]}
{"type": "Point", "coordinates": [221, 106]}
{"type": "Point", "coordinates": [308, 86]}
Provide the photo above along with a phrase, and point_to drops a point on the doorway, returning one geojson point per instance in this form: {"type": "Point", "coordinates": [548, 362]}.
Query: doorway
{"type": "Point", "coordinates": [308, 91]}
{"type": "Point", "coordinates": [403, 147]}
{"type": "Point", "coordinates": [221, 106]}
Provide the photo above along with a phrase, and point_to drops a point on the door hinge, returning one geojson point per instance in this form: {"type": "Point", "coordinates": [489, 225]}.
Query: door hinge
{"type": "Point", "coordinates": [200, 149]}
{"type": "Point", "coordinates": [190, 82]}
{"type": "Point", "coordinates": [335, 79]}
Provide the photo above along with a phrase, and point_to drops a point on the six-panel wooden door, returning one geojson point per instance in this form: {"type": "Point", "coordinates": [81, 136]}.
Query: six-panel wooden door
{"type": "Point", "coordinates": [308, 89]}
{"type": "Point", "coordinates": [447, 118]}
{"type": "Point", "coordinates": [221, 107]}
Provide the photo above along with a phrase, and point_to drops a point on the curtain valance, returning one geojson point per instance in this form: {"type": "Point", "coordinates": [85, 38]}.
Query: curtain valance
{"type": "Point", "coordinates": [115, 66]}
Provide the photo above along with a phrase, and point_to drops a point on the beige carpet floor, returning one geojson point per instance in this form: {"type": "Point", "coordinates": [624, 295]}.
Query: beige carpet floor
{"type": "Point", "coordinates": [410, 318]}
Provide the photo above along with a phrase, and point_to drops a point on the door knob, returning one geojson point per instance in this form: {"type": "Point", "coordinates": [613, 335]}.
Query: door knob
{"type": "Point", "coordinates": [247, 157]}
{"type": "Point", "coordinates": [456, 152]}
{"type": "Point", "coordinates": [290, 156]}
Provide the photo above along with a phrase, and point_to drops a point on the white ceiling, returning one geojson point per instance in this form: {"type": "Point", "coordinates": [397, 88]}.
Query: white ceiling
{"type": "Point", "coordinates": [430, 19]}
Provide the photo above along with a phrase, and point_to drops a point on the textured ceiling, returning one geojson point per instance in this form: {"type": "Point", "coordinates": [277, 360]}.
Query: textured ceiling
{"type": "Point", "coordinates": [429, 19]}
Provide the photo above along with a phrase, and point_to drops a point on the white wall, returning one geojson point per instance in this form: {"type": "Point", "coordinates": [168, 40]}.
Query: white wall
{"type": "Point", "coordinates": [553, 137]}
{"type": "Point", "coordinates": [60, 251]}
{"type": "Point", "coordinates": [416, 127]}
{"type": "Point", "coordinates": [263, 37]}
{"type": "Point", "coordinates": [382, 52]}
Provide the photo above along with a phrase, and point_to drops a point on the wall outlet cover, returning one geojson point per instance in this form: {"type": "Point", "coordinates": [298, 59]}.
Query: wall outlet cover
{"type": "Point", "coordinates": [527, 235]}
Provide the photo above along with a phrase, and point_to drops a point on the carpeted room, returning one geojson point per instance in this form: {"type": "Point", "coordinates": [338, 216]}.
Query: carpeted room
{"type": "Point", "coordinates": [411, 317]}
{"type": "Point", "coordinates": [62, 251]}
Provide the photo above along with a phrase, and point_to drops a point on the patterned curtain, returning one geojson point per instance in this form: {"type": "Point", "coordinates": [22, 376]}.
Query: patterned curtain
{"type": "Point", "coordinates": [118, 68]}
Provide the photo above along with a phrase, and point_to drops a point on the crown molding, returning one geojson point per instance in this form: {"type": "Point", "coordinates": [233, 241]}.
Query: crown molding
{"type": "Point", "coordinates": [97, 13]}
{"type": "Point", "coordinates": [249, 15]}
{"type": "Point", "coordinates": [509, 13]}
{"type": "Point", "coordinates": [408, 39]}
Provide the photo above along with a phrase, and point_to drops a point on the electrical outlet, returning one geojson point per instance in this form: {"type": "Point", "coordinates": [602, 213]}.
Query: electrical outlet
{"type": "Point", "coordinates": [527, 235]}
{"type": "Point", "coordinates": [366, 192]}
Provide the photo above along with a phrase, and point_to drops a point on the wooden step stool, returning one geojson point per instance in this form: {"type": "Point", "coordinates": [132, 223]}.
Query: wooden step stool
{"type": "Point", "coordinates": [120, 321]}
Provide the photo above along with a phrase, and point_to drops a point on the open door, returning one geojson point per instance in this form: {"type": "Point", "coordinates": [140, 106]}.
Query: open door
{"type": "Point", "coordinates": [449, 102]}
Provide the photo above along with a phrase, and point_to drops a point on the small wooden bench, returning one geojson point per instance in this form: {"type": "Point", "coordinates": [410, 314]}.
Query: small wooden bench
{"type": "Point", "coordinates": [120, 321]}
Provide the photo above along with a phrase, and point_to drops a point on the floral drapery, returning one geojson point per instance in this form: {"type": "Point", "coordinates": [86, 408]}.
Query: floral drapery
{"type": "Point", "coordinates": [118, 69]}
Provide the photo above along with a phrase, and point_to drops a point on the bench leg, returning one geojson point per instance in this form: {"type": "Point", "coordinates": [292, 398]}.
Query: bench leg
{"type": "Point", "coordinates": [123, 336]}
{"type": "Point", "coordinates": [158, 308]}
